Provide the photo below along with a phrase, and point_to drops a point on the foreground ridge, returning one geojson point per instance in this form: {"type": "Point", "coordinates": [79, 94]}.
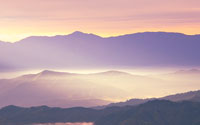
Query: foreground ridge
{"type": "Point", "coordinates": [157, 112]}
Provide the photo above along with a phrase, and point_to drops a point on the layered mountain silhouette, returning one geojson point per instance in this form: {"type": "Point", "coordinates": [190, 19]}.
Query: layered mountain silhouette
{"type": "Point", "coordinates": [63, 89]}
{"type": "Point", "coordinates": [157, 112]}
{"type": "Point", "coordinates": [193, 96]}
{"type": "Point", "coordinates": [79, 49]}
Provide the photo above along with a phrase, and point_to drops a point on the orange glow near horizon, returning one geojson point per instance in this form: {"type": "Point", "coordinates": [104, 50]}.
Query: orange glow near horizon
{"type": "Point", "coordinates": [23, 18]}
{"type": "Point", "coordinates": [12, 37]}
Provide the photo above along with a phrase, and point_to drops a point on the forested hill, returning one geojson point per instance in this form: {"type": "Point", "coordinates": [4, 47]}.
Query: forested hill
{"type": "Point", "coordinates": [157, 112]}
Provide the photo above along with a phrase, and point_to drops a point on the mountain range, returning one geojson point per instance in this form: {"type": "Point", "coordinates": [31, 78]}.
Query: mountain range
{"type": "Point", "coordinates": [64, 89]}
{"type": "Point", "coordinates": [82, 50]}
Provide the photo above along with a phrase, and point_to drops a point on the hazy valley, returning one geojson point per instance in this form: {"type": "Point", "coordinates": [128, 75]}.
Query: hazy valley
{"type": "Point", "coordinates": [62, 89]}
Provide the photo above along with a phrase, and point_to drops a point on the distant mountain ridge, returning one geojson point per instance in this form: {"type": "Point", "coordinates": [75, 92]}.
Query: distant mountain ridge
{"type": "Point", "coordinates": [79, 33]}
{"type": "Point", "coordinates": [62, 89]}
{"type": "Point", "coordinates": [65, 89]}
{"type": "Point", "coordinates": [90, 51]}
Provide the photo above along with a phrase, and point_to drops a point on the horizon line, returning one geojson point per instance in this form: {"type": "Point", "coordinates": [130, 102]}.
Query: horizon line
{"type": "Point", "coordinates": [117, 35]}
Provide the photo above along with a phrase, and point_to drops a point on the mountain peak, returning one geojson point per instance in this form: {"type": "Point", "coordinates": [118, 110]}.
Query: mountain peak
{"type": "Point", "coordinates": [82, 34]}
{"type": "Point", "coordinates": [47, 72]}
{"type": "Point", "coordinates": [78, 32]}
{"type": "Point", "coordinates": [53, 73]}
{"type": "Point", "coordinates": [114, 72]}
{"type": "Point", "coordinates": [11, 108]}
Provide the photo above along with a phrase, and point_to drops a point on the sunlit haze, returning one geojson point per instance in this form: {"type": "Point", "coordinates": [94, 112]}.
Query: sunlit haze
{"type": "Point", "coordinates": [99, 62]}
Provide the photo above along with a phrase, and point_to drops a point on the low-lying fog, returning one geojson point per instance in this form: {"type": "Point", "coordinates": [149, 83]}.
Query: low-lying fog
{"type": "Point", "coordinates": [69, 88]}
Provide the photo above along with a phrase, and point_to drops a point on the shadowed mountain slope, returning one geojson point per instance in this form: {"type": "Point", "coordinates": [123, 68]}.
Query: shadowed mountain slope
{"type": "Point", "coordinates": [157, 112]}
{"type": "Point", "coordinates": [90, 51]}
{"type": "Point", "coordinates": [187, 96]}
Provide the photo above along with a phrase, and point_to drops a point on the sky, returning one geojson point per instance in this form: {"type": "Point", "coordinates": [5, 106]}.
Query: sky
{"type": "Point", "coordinates": [23, 18]}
